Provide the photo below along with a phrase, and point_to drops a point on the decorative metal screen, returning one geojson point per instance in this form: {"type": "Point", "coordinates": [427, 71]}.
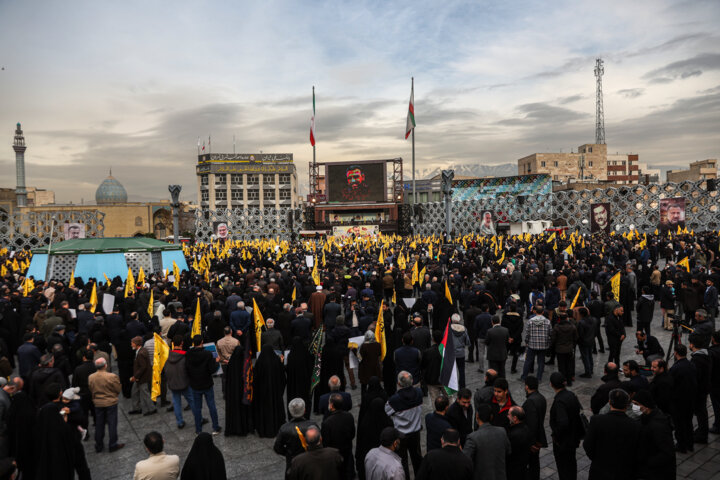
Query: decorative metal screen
{"type": "Point", "coordinates": [156, 262]}
{"type": "Point", "coordinates": [62, 266]}
{"type": "Point", "coordinates": [247, 224]}
{"type": "Point", "coordinates": [33, 229]}
{"type": "Point", "coordinates": [135, 260]}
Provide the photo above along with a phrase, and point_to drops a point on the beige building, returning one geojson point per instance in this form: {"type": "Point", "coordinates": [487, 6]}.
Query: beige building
{"type": "Point", "coordinates": [36, 197]}
{"type": "Point", "coordinates": [246, 180]}
{"type": "Point", "coordinates": [591, 162]}
{"type": "Point", "coordinates": [700, 170]}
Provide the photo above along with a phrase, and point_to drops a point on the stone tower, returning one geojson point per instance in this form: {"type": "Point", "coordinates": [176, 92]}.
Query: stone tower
{"type": "Point", "coordinates": [19, 147]}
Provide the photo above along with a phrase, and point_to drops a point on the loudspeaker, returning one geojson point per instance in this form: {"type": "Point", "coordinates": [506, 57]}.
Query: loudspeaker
{"type": "Point", "coordinates": [309, 218]}
{"type": "Point", "coordinates": [711, 184]}
{"type": "Point", "coordinates": [405, 220]}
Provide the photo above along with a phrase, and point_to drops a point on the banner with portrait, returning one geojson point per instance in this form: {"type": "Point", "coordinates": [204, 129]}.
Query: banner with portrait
{"type": "Point", "coordinates": [487, 223]}
{"type": "Point", "coordinates": [221, 230]}
{"type": "Point", "coordinates": [600, 219]}
{"type": "Point", "coordinates": [73, 230]}
{"type": "Point", "coordinates": [672, 213]}
{"type": "Point", "coordinates": [356, 230]}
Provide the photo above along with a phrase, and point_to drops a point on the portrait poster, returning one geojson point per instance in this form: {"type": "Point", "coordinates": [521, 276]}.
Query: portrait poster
{"type": "Point", "coordinates": [672, 214]}
{"type": "Point", "coordinates": [487, 223]}
{"type": "Point", "coordinates": [221, 230]}
{"type": "Point", "coordinates": [600, 220]}
{"type": "Point", "coordinates": [73, 230]}
{"type": "Point", "coordinates": [356, 230]}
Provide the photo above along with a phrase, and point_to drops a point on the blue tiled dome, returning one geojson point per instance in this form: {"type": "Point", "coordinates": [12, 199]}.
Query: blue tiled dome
{"type": "Point", "coordinates": [110, 191]}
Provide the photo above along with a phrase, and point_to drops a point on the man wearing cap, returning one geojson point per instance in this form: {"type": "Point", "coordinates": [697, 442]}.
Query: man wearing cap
{"type": "Point", "coordinates": [656, 452]}
{"type": "Point", "coordinates": [105, 389]}
{"type": "Point", "coordinates": [612, 439]}
{"type": "Point", "coordinates": [383, 463]}
{"type": "Point", "coordinates": [448, 461]}
{"type": "Point", "coordinates": [566, 427]}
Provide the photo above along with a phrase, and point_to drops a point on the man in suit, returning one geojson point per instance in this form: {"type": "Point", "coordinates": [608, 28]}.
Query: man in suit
{"type": "Point", "coordinates": [565, 426]}
{"type": "Point", "coordinates": [520, 438]}
{"type": "Point", "coordinates": [338, 431]}
{"type": "Point", "coordinates": [142, 376]}
{"type": "Point", "coordinates": [710, 298]}
{"type": "Point", "coordinates": [685, 383]}
{"type": "Point", "coordinates": [487, 447]}
{"type": "Point", "coordinates": [535, 407]}
{"type": "Point", "coordinates": [436, 423]}
{"type": "Point", "coordinates": [460, 414]}
{"type": "Point", "coordinates": [239, 320]}
{"type": "Point", "coordinates": [335, 385]}
{"type": "Point", "coordinates": [496, 340]}
{"type": "Point", "coordinates": [317, 462]}
{"type": "Point", "coordinates": [615, 332]}
{"type": "Point", "coordinates": [611, 441]}
{"type": "Point", "coordinates": [448, 461]}
{"type": "Point", "coordinates": [159, 465]}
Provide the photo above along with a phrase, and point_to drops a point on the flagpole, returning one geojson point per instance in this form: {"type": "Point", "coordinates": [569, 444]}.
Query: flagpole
{"type": "Point", "coordinates": [412, 89]}
{"type": "Point", "coordinates": [313, 187]}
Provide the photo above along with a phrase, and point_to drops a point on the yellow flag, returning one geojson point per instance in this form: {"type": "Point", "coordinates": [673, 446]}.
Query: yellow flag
{"type": "Point", "coordinates": [679, 230]}
{"type": "Point", "coordinates": [294, 295]}
{"type": "Point", "coordinates": [16, 267]}
{"type": "Point", "coordinates": [26, 287]}
{"type": "Point", "coordinates": [569, 250]}
{"type": "Point", "coordinates": [615, 286]}
{"type": "Point", "coordinates": [151, 304]}
{"type": "Point", "coordinates": [300, 435]}
{"type": "Point", "coordinates": [141, 277]}
{"type": "Point", "coordinates": [323, 258]}
{"type": "Point", "coordinates": [107, 280]}
{"type": "Point", "coordinates": [3, 271]}
{"type": "Point", "coordinates": [583, 242]}
{"type": "Point", "coordinates": [656, 231]}
{"type": "Point", "coordinates": [197, 323]}
{"type": "Point", "coordinates": [380, 332]}
{"type": "Point", "coordinates": [401, 262]}
{"type": "Point", "coordinates": [502, 258]}
{"type": "Point", "coordinates": [176, 275]}
{"type": "Point", "coordinates": [129, 283]}
{"type": "Point", "coordinates": [394, 297]}
{"type": "Point", "coordinates": [259, 324]}
{"type": "Point", "coordinates": [551, 238]}
{"type": "Point", "coordinates": [555, 246]}
{"type": "Point", "coordinates": [382, 257]}
{"type": "Point", "coordinates": [72, 279]}
{"type": "Point", "coordinates": [447, 293]}
{"type": "Point", "coordinates": [415, 275]}
{"type": "Point", "coordinates": [160, 355]}
{"type": "Point", "coordinates": [430, 252]}
{"type": "Point", "coordinates": [93, 298]}
{"type": "Point", "coordinates": [684, 263]}
{"type": "Point", "coordinates": [577, 295]}
{"type": "Point", "coordinates": [315, 274]}
{"type": "Point", "coordinates": [421, 276]}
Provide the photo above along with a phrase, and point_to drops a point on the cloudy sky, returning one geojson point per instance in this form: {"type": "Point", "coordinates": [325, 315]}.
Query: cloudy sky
{"type": "Point", "coordinates": [131, 85]}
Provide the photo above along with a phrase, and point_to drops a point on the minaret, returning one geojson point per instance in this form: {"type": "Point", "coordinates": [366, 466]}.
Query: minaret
{"type": "Point", "coordinates": [19, 147]}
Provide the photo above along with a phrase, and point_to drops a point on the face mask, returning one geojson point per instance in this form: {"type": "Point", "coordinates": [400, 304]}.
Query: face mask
{"type": "Point", "coordinates": [636, 409]}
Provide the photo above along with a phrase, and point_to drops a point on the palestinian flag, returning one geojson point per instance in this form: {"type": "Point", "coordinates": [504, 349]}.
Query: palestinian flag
{"type": "Point", "coordinates": [411, 113]}
{"type": "Point", "coordinates": [448, 367]}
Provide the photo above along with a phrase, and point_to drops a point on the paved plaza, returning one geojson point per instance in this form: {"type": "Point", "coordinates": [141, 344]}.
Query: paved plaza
{"type": "Point", "coordinates": [251, 457]}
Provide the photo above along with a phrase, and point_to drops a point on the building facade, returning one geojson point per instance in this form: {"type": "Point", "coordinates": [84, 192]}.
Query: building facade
{"type": "Point", "coordinates": [591, 162]}
{"type": "Point", "coordinates": [246, 180]}
{"type": "Point", "coordinates": [700, 170]}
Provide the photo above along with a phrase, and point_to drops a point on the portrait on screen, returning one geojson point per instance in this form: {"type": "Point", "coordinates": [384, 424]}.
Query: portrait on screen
{"type": "Point", "coordinates": [672, 213]}
{"type": "Point", "coordinates": [361, 182]}
{"type": "Point", "coordinates": [600, 220]}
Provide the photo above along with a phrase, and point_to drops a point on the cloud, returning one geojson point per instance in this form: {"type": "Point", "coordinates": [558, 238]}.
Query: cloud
{"type": "Point", "coordinates": [570, 99]}
{"type": "Point", "coordinates": [631, 92]}
{"type": "Point", "coordinates": [691, 67]}
{"type": "Point", "coordinates": [540, 113]}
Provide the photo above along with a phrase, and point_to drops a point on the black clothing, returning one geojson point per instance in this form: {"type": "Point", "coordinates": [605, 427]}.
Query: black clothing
{"type": "Point", "coordinates": [520, 438]}
{"type": "Point", "coordinates": [299, 372]}
{"type": "Point", "coordinates": [447, 462]}
{"type": "Point", "coordinates": [535, 407]}
{"type": "Point", "coordinates": [287, 442]}
{"type": "Point", "coordinates": [368, 431]}
{"type": "Point", "coordinates": [611, 443]}
{"type": "Point", "coordinates": [54, 445]}
{"type": "Point", "coordinates": [430, 365]}
{"type": "Point", "coordinates": [205, 461]}
{"type": "Point", "coordinates": [21, 432]}
{"type": "Point", "coordinates": [601, 395]}
{"type": "Point", "coordinates": [41, 378]}
{"type": "Point", "coordinates": [684, 392]}
{"type": "Point", "coordinates": [435, 426]}
{"type": "Point", "coordinates": [566, 432]}
{"type": "Point", "coordinates": [461, 420]}
{"type": "Point", "coordinates": [656, 451]}
{"type": "Point", "coordinates": [661, 389]}
{"type": "Point", "coordinates": [338, 431]}
{"type": "Point", "coordinates": [238, 409]}
{"type": "Point", "coordinates": [200, 365]}
{"type": "Point", "coordinates": [268, 394]}
{"type": "Point", "coordinates": [317, 463]}
{"type": "Point", "coordinates": [374, 390]}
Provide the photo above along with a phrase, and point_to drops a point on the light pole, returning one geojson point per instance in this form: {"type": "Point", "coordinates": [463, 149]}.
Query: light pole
{"type": "Point", "coordinates": [175, 196]}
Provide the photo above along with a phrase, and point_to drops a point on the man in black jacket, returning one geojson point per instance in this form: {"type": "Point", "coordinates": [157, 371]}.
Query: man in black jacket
{"type": "Point", "coordinates": [535, 407]}
{"type": "Point", "coordinates": [611, 381]}
{"type": "Point", "coordinates": [685, 383]}
{"type": "Point", "coordinates": [317, 462]}
{"type": "Point", "coordinates": [496, 340]}
{"type": "Point", "coordinates": [703, 368]}
{"type": "Point", "coordinates": [612, 439]}
{"type": "Point", "coordinates": [460, 414]}
{"type": "Point", "coordinates": [430, 366]}
{"type": "Point", "coordinates": [200, 366]}
{"type": "Point", "coordinates": [566, 427]}
{"type": "Point", "coordinates": [615, 331]}
{"type": "Point", "coordinates": [448, 461]}
{"type": "Point", "coordinates": [656, 452]}
{"type": "Point", "coordinates": [338, 431]}
{"type": "Point", "coordinates": [648, 346]}
{"type": "Point", "coordinates": [645, 308]}
{"type": "Point", "coordinates": [436, 423]}
{"type": "Point", "coordinates": [520, 438]}
{"type": "Point", "coordinates": [661, 387]}
{"type": "Point", "coordinates": [288, 442]}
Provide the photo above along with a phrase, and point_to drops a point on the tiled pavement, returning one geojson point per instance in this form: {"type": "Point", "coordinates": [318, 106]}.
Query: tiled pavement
{"type": "Point", "coordinates": [253, 458]}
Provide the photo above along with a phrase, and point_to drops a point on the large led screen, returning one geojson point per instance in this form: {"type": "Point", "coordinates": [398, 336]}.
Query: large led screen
{"type": "Point", "coordinates": [356, 182]}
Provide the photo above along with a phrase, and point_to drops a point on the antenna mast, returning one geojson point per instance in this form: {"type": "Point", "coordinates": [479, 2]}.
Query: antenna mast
{"type": "Point", "coordinates": [599, 111]}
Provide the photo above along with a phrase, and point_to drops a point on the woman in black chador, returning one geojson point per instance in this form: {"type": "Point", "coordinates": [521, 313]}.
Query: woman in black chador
{"type": "Point", "coordinates": [268, 393]}
{"type": "Point", "coordinates": [238, 394]}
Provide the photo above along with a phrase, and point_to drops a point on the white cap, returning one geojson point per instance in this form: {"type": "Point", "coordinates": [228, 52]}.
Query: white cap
{"type": "Point", "coordinates": [72, 393]}
{"type": "Point", "coordinates": [318, 288]}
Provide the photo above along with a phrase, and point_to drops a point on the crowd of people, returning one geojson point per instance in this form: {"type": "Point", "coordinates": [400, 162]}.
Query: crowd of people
{"type": "Point", "coordinates": [289, 329]}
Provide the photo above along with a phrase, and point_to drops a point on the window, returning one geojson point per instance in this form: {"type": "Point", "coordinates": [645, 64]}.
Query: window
{"type": "Point", "coordinates": [555, 164]}
{"type": "Point", "coordinates": [138, 221]}
{"type": "Point", "coordinates": [204, 196]}
{"type": "Point", "coordinates": [269, 179]}
{"type": "Point", "coordinates": [269, 194]}
{"type": "Point", "coordinates": [236, 179]}
{"type": "Point", "coordinates": [589, 149]}
{"type": "Point", "coordinates": [252, 179]}
{"type": "Point", "coordinates": [542, 164]}
{"type": "Point", "coordinates": [203, 179]}
{"type": "Point", "coordinates": [436, 196]}
{"type": "Point", "coordinates": [285, 195]}
{"type": "Point", "coordinates": [220, 179]}
{"type": "Point", "coordinates": [590, 164]}
{"type": "Point", "coordinates": [284, 178]}
{"type": "Point", "coordinates": [237, 194]}
{"type": "Point", "coordinates": [220, 194]}
{"type": "Point", "coordinates": [253, 195]}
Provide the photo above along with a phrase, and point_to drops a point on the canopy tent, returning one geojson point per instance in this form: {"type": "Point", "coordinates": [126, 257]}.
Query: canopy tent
{"type": "Point", "coordinates": [93, 257]}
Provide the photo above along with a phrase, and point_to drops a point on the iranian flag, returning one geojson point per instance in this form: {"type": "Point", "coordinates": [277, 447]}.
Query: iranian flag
{"type": "Point", "coordinates": [448, 367]}
{"type": "Point", "coordinates": [411, 112]}
{"type": "Point", "coordinates": [312, 122]}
